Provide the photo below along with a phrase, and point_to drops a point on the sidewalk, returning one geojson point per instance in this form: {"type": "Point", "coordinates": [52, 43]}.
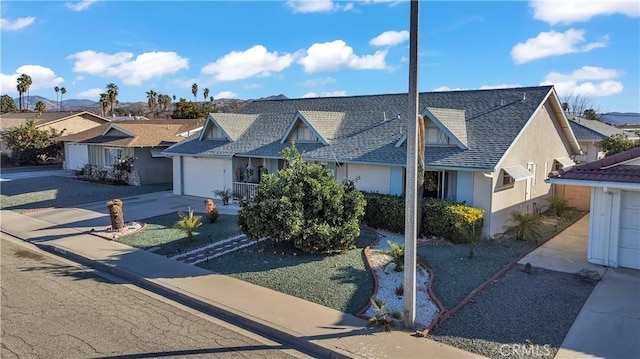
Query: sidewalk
{"type": "Point", "coordinates": [319, 330]}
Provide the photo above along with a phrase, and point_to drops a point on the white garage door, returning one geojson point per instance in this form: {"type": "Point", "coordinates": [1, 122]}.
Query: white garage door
{"type": "Point", "coordinates": [629, 253]}
{"type": "Point", "coordinates": [202, 176]}
{"type": "Point", "coordinates": [76, 156]}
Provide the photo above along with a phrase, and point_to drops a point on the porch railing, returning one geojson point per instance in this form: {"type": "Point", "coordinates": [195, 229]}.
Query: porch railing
{"type": "Point", "coordinates": [245, 190]}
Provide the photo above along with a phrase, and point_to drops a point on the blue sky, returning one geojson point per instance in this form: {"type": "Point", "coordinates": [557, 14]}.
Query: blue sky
{"type": "Point", "coordinates": [252, 49]}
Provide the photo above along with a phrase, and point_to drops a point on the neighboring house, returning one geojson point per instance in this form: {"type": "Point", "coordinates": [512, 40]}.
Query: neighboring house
{"type": "Point", "coordinates": [489, 148]}
{"type": "Point", "coordinates": [590, 134]}
{"type": "Point", "coordinates": [67, 121]}
{"type": "Point", "coordinates": [614, 219]}
{"type": "Point", "coordinates": [142, 140]}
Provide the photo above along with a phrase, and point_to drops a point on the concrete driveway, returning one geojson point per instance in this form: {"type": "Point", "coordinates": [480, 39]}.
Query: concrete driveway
{"type": "Point", "coordinates": [608, 326]}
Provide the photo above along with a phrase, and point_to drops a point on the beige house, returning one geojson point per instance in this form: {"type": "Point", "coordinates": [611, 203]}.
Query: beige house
{"type": "Point", "coordinates": [142, 140]}
{"type": "Point", "coordinates": [67, 121]}
{"type": "Point", "coordinates": [491, 149]}
{"type": "Point", "coordinates": [590, 134]}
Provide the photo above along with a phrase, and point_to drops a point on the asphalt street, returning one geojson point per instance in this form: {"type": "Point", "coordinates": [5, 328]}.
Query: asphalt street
{"type": "Point", "coordinates": [53, 308]}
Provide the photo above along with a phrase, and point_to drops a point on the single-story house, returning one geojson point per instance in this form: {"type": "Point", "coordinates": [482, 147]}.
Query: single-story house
{"type": "Point", "coordinates": [67, 121]}
{"type": "Point", "coordinates": [614, 219]}
{"type": "Point", "coordinates": [142, 140]}
{"type": "Point", "coordinates": [490, 149]}
{"type": "Point", "coordinates": [590, 134]}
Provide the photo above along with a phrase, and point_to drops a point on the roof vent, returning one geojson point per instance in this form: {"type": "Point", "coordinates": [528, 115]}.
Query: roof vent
{"type": "Point", "coordinates": [524, 96]}
{"type": "Point", "coordinates": [398, 116]}
{"type": "Point", "coordinates": [384, 117]}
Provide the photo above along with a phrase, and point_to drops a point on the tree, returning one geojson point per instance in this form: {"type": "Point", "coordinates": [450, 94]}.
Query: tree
{"type": "Point", "coordinates": [618, 143]}
{"type": "Point", "coordinates": [7, 104]}
{"type": "Point", "coordinates": [305, 206]}
{"type": "Point", "coordinates": [152, 100]}
{"type": "Point", "coordinates": [188, 109]}
{"type": "Point", "coordinates": [577, 105]}
{"type": "Point", "coordinates": [590, 114]}
{"type": "Point", "coordinates": [62, 92]}
{"type": "Point", "coordinates": [22, 88]}
{"type": "Point", "coordinates": [57, 89]}
{"type": "Point", "coordinates": [104, 101]}
{"type": "Point", "coordinates": [30, 145]}
{"type": "Point", "coordinates": [205, 93]}
{"type": "Point", "coordinates": [40, 107]}
{"type": "Point", "coordinates": [112, 91]}
{"type": "Point", "coordinates": [28, 83]}
{"type": "Point", "coordinates": [194, 91]}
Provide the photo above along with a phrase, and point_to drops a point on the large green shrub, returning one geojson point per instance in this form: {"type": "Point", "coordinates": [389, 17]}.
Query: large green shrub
{"type": "Point", "coordinates": [31, 145]}
{"type": "Point", "coordinates": [304, 205]}
{"type": "Point", "coordinates": [384, 211]}
{"type": "Point", "coordinates": [454, 221]}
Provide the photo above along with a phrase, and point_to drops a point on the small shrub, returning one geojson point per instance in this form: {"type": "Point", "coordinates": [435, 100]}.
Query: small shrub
{"type": "Point", "coordinates": [524, 225]}
{"type": "Point", "coordinates": [400, 290]}
{"type": "Point", "coordinates": [558, 205]}
{"type": "Point", "coordinates": [188, 223]}
{"type": "Point", "coordinates": [383, 318]}
{"type": "Point", "coordinates": [454, 221]}
{"type": "Point", "coordinates": [224, 194]}
{"type": "Point", "coordinates": [384, 212]}
{"type": "Point", "coordinates": [397, 253]}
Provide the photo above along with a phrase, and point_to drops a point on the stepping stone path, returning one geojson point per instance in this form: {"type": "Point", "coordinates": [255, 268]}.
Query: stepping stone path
{"type": "Point", "coordinates": [214, 250]}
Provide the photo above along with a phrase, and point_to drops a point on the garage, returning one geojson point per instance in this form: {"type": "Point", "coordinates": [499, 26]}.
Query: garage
{"type": "Point", "coordinates": [629, 249]}
{"type": "Point", "coordinates": [202, 176]}
{"type": "Point", "coordinates": [76, 156]}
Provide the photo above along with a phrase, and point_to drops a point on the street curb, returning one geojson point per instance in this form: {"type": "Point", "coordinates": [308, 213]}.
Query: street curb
{"type": "Point", "coordinates": [254, 324]}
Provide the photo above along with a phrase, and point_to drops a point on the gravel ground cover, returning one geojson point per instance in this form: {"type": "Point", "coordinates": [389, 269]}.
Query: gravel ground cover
{"type": "Point", "coordinates": [455, 275]}
{"type": "Point", "coordinates": [54, 191]}
{"type": "Point", "coordinates": [341, 281]}
{"type": "Point", "coordinates": [520, 316]}
{"type": "Point", "coordinates": [160, 234]}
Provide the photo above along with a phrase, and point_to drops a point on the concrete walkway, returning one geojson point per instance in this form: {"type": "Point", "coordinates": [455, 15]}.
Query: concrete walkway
{"type": "Point", "coordinates": [321, 331]}
{"type": "Point", "coordinates": [566, 252]}
{"type": "Point", "coordinates": [608, 326]}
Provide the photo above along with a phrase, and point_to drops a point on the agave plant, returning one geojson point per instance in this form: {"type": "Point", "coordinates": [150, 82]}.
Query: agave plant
{"type": "Point", "coordinates": [524, 225]}
{"type": "Point", "coordinates": [383, 318]}
{"type": "Point", "coordinates": [188, 223]}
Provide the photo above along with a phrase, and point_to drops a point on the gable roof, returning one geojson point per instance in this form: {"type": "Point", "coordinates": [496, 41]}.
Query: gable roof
{"type": "Point", "coordinates": [13, 119]}
{"type": "Point", "coordinates": [232, 125]}
{"type": "Point", "coordinates": [593, 130]}
{"type": "Point", "coordinates": [493, 119]}
{"type": "Point", "coordinates": [134, 133]}
{"type": "Point", "coordinates": [451, 122]}
{"type": "Point", "coordinates": [617, 168]}
{"type": "Point", "coordinates": [324, 124]}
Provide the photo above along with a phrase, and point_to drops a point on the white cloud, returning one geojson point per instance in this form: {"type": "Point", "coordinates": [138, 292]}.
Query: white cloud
{"type": "Point", "coordinates": [317, 82]}
{"type": "Point", "coordinates": [91, 94]}
{"type": "Point", "coordinates": [255, 61]}
{"type": "Point", "coordinates": [225, 94]}
{"type": "Point", "coordinates": [390, 38]}
{"type": "Point", "coordinates": [17, 24]}
{"type": "Point", "coordinates": [553, 44]}
{"type": "Point", "coordinates": [41, 78]}
{"type": "Point", "coordinates": [129, 70]}
{"type": "Point", "coordinates": [331, 56]}
{"type": "Point", "coordinates": [587, 81]}
{"type": "Point", "coordinates": [310, 6]}
{"type": "Point", "coordinates": [325, 94]}
{"type": "Point", "coordinates": [80, 5]}
{"type": "Point", "coordinates": [572, 11]}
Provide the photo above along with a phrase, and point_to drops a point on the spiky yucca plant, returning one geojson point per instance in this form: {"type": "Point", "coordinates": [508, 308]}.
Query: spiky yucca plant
{"type": "Point", "coordinates": [188, 223]}
{"type": "Point", "coordinates": [397, 253]}
{"type": "Point", "coordinates": [383, 318]}
{"type": "Point", "coordinates": [524, 225]}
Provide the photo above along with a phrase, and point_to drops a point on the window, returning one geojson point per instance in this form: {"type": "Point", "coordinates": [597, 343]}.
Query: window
{"type": "Point", "coordinates": [112, 156]}
{"type": "Point", "coordinates": [303, 133]}
{"type": "Point", "coordinates": [213, 133]}
{"type": "Point", "coordinates": [506, 179]}
{"type": "Point", "coordinates": [436, 137]}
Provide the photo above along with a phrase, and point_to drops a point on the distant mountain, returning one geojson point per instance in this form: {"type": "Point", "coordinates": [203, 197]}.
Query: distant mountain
{"type": "Point", "coordinates": [67, 105]}
{"type": "Point", "coordinates": [621, 118]}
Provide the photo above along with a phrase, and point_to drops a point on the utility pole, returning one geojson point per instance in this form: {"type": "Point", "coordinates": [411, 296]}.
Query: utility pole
{"type": "Point", "coordinates": [411, 200]}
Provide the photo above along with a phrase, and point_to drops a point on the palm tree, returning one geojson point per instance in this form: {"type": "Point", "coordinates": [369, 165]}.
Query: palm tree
{"type": "Point", "coordinates": [28, 83]}
{"type": "Point", "coordinates": [22, 87]}
{"type": "Point", "coordinates": [112, 91]}
{"type": "Point", "coordinates": [62, 92]}
{"type": "Point", "coordinates": [21, 90]}
{"type": "Point", "coordinates": [152, 100]}
{"type": "Point", "coordinates": [205, 93]}
{"type": "Point", "coordinates": [194, 91]}
{"type": "Point", "coordinates": [188, 223]}
{"type": "Point", "coordinates": [57, 89]}
{"type": "Point", "coordinates": [104, 101]}
{"type": "Point", "coordinates": [40, 107]}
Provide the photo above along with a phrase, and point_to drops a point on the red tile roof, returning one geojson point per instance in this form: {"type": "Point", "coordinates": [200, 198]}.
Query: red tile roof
{"type": "Point", "coordinates": [608, 169]}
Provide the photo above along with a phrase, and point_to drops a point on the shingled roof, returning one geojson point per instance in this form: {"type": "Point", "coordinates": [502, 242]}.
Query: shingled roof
{"type": "Point", "coordinates": [592, 130]}
{"type": "Point", "coordinates": [14, 119]}
{"type": "Point", "coordinates": [492, 118]}
{"type": "Point", "coordinates": [609, 169]}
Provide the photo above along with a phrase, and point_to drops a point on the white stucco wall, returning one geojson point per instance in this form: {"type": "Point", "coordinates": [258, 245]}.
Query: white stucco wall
{"type": "Point", "coordinates": [177, 175]}
{"type": "Point", "coordinates": [372, 178]}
